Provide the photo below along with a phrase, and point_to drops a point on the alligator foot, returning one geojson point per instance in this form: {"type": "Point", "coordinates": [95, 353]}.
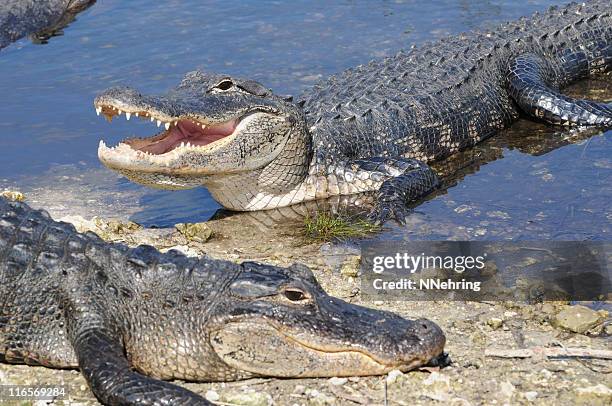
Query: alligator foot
{"type": "Point", "coordinates": [529, 82]}
{"type": "Point", "coordinates": [110, 376]}
{"type": "Point", "coordinates": [409, 180]}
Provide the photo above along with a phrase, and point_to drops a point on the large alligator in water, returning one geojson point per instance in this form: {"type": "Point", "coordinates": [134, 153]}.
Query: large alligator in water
{"type": "Point", "coordinates": [371, 128]}
{"type": "Point", "coordinates": [70, 300]}
{"type": "Point", "coordinates": [41, 18]}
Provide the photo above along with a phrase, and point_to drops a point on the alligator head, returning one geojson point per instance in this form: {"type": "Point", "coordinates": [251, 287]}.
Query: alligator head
{"type": "Point", "coordinates": [280, 322]}
{"type": "Point", "coordinates": [217, 131]}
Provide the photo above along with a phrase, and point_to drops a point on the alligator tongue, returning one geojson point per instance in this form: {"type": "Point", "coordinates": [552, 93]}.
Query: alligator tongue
{"type": "Point", "coordinates": [188, 131]}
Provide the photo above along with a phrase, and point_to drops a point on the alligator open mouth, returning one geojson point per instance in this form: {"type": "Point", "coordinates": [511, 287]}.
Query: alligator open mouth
{"type": "Point", "coordinates": [180, 132]}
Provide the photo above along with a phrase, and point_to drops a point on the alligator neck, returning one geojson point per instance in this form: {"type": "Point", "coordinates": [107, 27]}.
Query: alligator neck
{"type": "Point", "coordinates": [279, 180]}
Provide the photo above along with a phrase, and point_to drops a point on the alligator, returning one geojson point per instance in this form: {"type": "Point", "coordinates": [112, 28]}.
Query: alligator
{"type": "Point", "coordinates": [371, 128]}
{"type": "Point", "coordinates": [132, 317]}
{"type": "Point", "coordinates": [41, 18]}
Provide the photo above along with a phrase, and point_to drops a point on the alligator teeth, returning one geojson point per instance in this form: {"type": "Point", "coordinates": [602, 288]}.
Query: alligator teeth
{"type": "Point", "coordinates": [188, 145]}
{"type": "Point", "coordinates": [182, 145]}
{"type": "Point", "coordinates": [152, 119]}
{"type": "Point", "coordinates": [167, 125]}
{"type": "Point", "coordinates": [98, 110]}
{"type": "Point", "coordinates": [128, 116]}
{"type": "Point", "coordinates": [137, 114]}
{"type": "Point", "coordinates": [120, 112]}
{"type": "Point", "coordinates": [158, 123]}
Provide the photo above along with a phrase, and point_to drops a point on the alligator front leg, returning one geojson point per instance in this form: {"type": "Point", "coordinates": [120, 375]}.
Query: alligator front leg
{"type": "Point", "coordinates": [531, 84]}
{"type": "Point", "coordinates": [109, 375]}
{"type": "Point", "coordinates": [401, 180]}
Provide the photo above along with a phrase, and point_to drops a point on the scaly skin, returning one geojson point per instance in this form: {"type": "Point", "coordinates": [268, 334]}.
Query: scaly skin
{"type": "Point", "coordinates": [130, 317]}
{"type": "Point", "coordinates": [371, 128]}
{"type": "Point", "coordinates": [19, 18]}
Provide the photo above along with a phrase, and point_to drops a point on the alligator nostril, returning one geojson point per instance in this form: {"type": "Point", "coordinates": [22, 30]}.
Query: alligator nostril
{"type": "Point", "coordinates": [424, 326]}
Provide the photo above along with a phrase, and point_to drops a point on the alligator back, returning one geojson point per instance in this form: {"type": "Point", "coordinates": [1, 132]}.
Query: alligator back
{"type": "Point", "coordinates": [445, 96]}
{"type": "Point", "coordinates": [49, 272]}
{"type": "Point", "coordinates": [32, 325]}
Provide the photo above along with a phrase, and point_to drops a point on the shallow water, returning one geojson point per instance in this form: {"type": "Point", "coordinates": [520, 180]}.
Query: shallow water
{"type": "Point", "coordinates": [49, 130]}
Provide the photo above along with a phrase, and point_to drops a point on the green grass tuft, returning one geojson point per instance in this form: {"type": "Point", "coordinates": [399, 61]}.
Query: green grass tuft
{"type": "Point", "coordinates": [324, 227]}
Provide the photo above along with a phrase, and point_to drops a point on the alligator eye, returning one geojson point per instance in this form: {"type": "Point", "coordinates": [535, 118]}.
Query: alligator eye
{"type": "Point", "coordinates": [225, 85]}
{"type": "Point", "coordinates": [294, 295]}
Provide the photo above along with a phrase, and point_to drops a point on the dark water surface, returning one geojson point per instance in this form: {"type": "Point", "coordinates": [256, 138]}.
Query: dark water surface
{"type": "Point", "coordinates": [49, 131]}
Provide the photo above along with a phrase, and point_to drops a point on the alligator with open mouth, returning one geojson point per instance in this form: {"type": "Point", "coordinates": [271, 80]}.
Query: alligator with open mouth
{"type": "Point", "coordinates": [371, 128]}
{"type": "Point", "coordinates": [129, 318]}
{"type": "Point", "coordinates": [40, 18]}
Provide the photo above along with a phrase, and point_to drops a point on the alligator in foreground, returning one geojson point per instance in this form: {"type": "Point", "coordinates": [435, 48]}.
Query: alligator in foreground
{"type": "Point", "coordinates": [71, 300]}
{"type": "Point", "coordinates": [42, 18]}
{"type": "Point", "coordinates": [371, 128]}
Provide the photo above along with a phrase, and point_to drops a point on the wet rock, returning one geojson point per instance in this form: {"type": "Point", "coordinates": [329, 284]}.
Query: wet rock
{"type": "Point", "coordinates": [13, 195]}
{"type": "Point", "coordinates": [599, 394]}
{"type": "Point", "coordinates": [577, 319]}
{"type": "Point", "coordinates": [196, 232]}
{"type": "Point", "coordinates": [251, 398]}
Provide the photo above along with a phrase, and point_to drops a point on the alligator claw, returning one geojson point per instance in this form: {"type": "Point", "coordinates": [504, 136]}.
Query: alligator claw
{"type": "Point", "coordinates": [389, 210]}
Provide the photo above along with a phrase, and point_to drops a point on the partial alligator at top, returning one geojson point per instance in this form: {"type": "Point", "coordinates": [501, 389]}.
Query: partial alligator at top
{"type": "Point", "coordinates": [371, 128]}
{"type": "Point", "coordinates": [70, 300]}
{"type": "Point", "coordinates": [41, 18]}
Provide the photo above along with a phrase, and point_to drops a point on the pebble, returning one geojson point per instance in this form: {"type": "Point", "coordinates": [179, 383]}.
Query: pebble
{"type": "Point", "coordinates": [12, 195]}
{"type": "Point", "coordinates": [495, 323]}
{"type": "Point", "coordinates": [530, 396]}
{"type": "Point", "coordinates": [598, 394]}
{"type": "Point", "coordinates": [338, 381]}
{"type": "Point", "coordinates": [196, 232]}
{"type": "Point", "coordinates": [393, 375]}
{"type": "Point", "coordinates": [577, 319]}
{"type": "Point", "coordinates": [249, 399]}
{"type": "Point", "coordinates": [211, 395]}
{"type": "Point", "coordinates": [506, 389]}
